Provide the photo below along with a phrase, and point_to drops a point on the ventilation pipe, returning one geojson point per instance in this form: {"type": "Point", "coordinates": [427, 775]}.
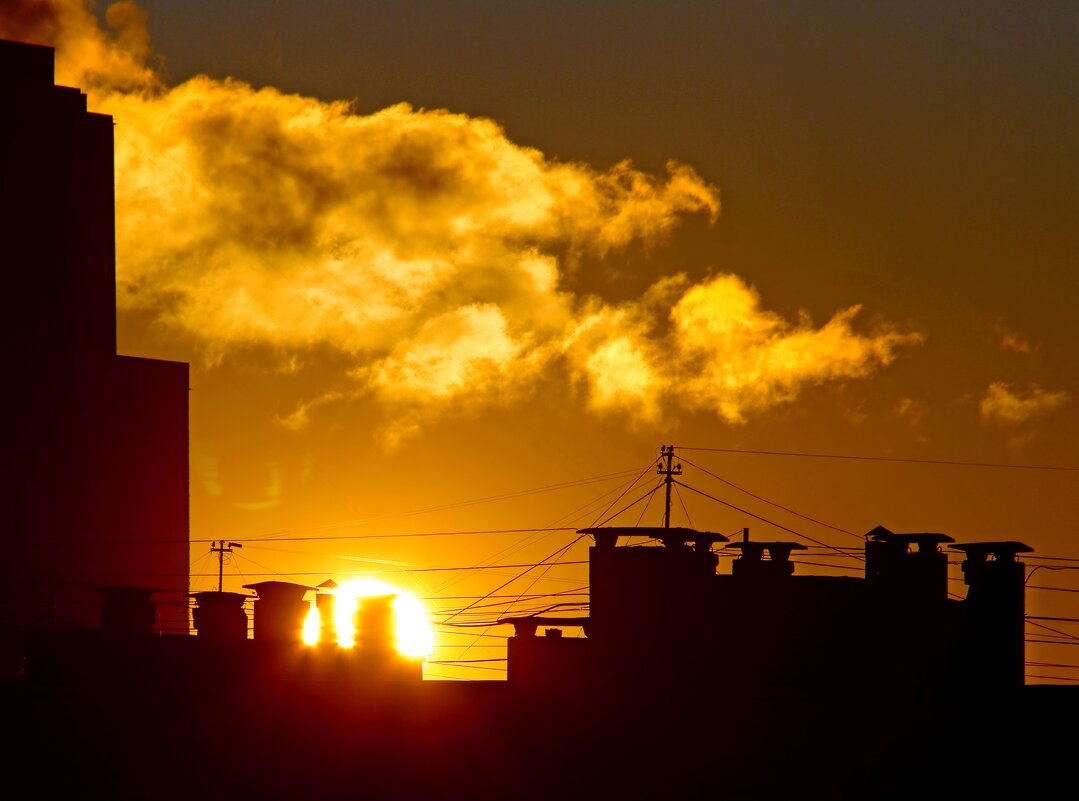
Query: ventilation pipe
{"type": "Point", "coordinates": [910, 566]}
{"type": "Point", "coordinates": [996, 610]}
{"type": "Point", "coordinates": [220, 617]}
{"type": "Point", "coordinates": [279, 612]}
{"type": "Point", "coordinates": [376, 636]}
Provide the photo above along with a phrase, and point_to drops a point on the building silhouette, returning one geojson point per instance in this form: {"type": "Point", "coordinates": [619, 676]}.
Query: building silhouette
{"type": "Point", "coordinates": [692, 682]}
{"type": "Point", "coordinates": [95, 455]}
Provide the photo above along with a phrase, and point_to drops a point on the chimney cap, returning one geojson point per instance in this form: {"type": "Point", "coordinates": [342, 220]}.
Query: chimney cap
{"type": "Point", "coordinates": [527, 625]}
{"type": "Point", "coordinates": [677, 535]}
{"type": "Point", "coordinates": [270, 585]}
{"type": "Point", "coordinates": [762, 545]}
{"type": "Point", "coordinates": [881, 534]}
{"type": "Point", "coordinates": [1002, 548]}
{"type": "Point", "coordinates": [214, 596]}
{"type": "Point", "coordinates": [546, 620]}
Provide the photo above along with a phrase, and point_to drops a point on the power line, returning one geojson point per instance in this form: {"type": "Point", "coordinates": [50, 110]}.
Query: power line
{"type": "Point", "coordinates": [262, 541]}
{"type": "Point", "coordinates": [685, 511]}
{"type": "Point", "coordinates": [622, 495]}
{"type": "Point", "coordinates": [771, 503]}
{"type": "Point", "coordinates": [647, 503]}
{"type": "Point", "coordinates": [1052, 558]}
{"type": "Point", "coordinates": [1054, 589]}
{"type": "Point", "coordinates": [471, 502]}
{"type": "Point", "coordinates": [515, 596]}
{"type": "Point", "coordinates": [769, 522]}
{"type": "Point", "coordinates": [1054, 630]}
{"type": "Point", "coordinates": [559, 552]}
{"type": "Point", "coordinates": [534, 540]}
{"type": "Point", "coordinates": [528, 568]}
{"type": "Point", "coordinates": [824, 564]}
{"type": "Point", "coordinates": [810, 455]}
{"type": "Point", "coordinates": [322, 572]}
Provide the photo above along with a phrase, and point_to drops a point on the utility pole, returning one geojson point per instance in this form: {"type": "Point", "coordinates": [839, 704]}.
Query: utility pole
{"type": "Point", "coordinates": [668, 472]}
{"type": "Point", "coordinates": [220, 547]}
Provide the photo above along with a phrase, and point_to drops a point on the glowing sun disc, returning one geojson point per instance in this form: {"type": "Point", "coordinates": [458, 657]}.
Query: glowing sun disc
{"type": "Point", "coordinates": [412, 629]}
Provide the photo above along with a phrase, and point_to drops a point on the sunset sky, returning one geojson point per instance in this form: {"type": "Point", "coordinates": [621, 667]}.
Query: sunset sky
{"type": "Point", "coordinates": [426, 253]}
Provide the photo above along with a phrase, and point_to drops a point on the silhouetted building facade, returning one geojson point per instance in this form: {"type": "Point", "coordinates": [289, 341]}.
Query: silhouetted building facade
{"type": "Point", "coordinates": [691, 683]}
{"type": "Point", "coordinates": [95, 454]}
{"type": "Point", "coordinates": [667, 615]}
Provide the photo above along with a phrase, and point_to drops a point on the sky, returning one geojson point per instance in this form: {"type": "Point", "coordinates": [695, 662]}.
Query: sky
{"type": "Point", "coordinates": [465, 266]}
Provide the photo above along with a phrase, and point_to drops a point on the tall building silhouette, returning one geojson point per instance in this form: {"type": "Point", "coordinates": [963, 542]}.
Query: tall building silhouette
{"type": "Point", "coordinates": [95, 453]}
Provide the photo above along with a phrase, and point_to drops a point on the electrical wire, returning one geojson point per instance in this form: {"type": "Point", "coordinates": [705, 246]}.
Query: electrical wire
{"type": "Point", "coordinates": [685, 511]}
{"type": "Point", "coordinates": [528, 568]}
{"type": "Point", "coordinates": [770, 522]}
{"type": "Point", "coordinates": [621, 495]}
{"type": "Point", "coordinates": [543, 573]}
{"type": "Point", "coordinates": [644, 508]}
{"type": "Point", "coordinates": [470, 502]}
{"type": "Point", "coordinates": [1055, 631]}
{"type": "Point", "coordinates": [1055, 589]}
{"type": "Point", "coordinates": [810, 455]}
{"type": "Point", "coordinates": [771, 503]}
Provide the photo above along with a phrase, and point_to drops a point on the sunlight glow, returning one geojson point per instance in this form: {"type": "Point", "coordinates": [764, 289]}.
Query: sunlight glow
{"type": "Point", "coordinates": [310, 626]}
{"type": "Point", "coordinates": [412, 630]}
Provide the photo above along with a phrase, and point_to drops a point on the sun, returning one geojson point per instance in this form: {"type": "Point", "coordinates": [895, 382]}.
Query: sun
{"type": "Point", "coordinates": [412, 632]}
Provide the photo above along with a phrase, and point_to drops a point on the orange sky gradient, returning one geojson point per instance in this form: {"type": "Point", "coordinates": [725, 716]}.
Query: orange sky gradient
{"type": "Point", "coordinates": [428, 264]}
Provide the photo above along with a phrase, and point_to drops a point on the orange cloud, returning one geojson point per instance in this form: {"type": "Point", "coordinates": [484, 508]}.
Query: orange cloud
{"type": "Point", "coordinates": [1004, 406]}
{"type": "Point", "coordinates": [1013, 340]}
{"type": "Point", "coordinates": [724, 353]}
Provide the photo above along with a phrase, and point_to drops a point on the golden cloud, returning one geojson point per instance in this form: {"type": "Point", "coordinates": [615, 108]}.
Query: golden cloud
{"type": "Point", "coordinates": [724, 353]}
{"type": "Point", "coordinates": [1005, 406]}
{"type": "Point", "coordinates": [424, 244]}
{"type": "Point", "coordinates": [744, 357]}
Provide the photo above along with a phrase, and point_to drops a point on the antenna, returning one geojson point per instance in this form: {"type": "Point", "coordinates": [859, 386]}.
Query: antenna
{"type": "Point", "coordinates": [220, 547]}
{"type": "Point", "coordinates": [664, 468]}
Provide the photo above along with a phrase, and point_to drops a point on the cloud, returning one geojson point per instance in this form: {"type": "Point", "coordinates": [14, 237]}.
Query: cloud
{"type": "Point", "coordinates": [1013, 340]}
{"type": "Point", "coordinates": [723, 352]}
{"type": "Point", "coordinates": [424, 245]}
{"type": "Point", "coordinates": [911, 410]}
{"type": "Point", "coordinates": [744, 357]}
{"type": "Point", "coordinates": [1004, 406]}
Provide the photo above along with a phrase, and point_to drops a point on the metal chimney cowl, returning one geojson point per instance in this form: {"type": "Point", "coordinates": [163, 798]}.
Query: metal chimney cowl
{"type": "Point", "coordinates": [219, 617]}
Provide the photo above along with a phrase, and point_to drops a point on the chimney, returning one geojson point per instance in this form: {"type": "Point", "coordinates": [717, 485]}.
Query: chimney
{"type": "Point", "coordinates": [325, 603]}
{"type": "Point", "coordinates": [220, 617]}
{"type": "Point", "coordinates": [996, 612]}
{"type": "Point", "coordinates": [279, 611]}
{"type": "Point", "coordinates": [908, 566]}
{"type": "Point", "coordinates": [375, 626]}
{"type": "Point", "coordinates": [127, 611]}
{"type": "Point", "coordinates": [751, 564]}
